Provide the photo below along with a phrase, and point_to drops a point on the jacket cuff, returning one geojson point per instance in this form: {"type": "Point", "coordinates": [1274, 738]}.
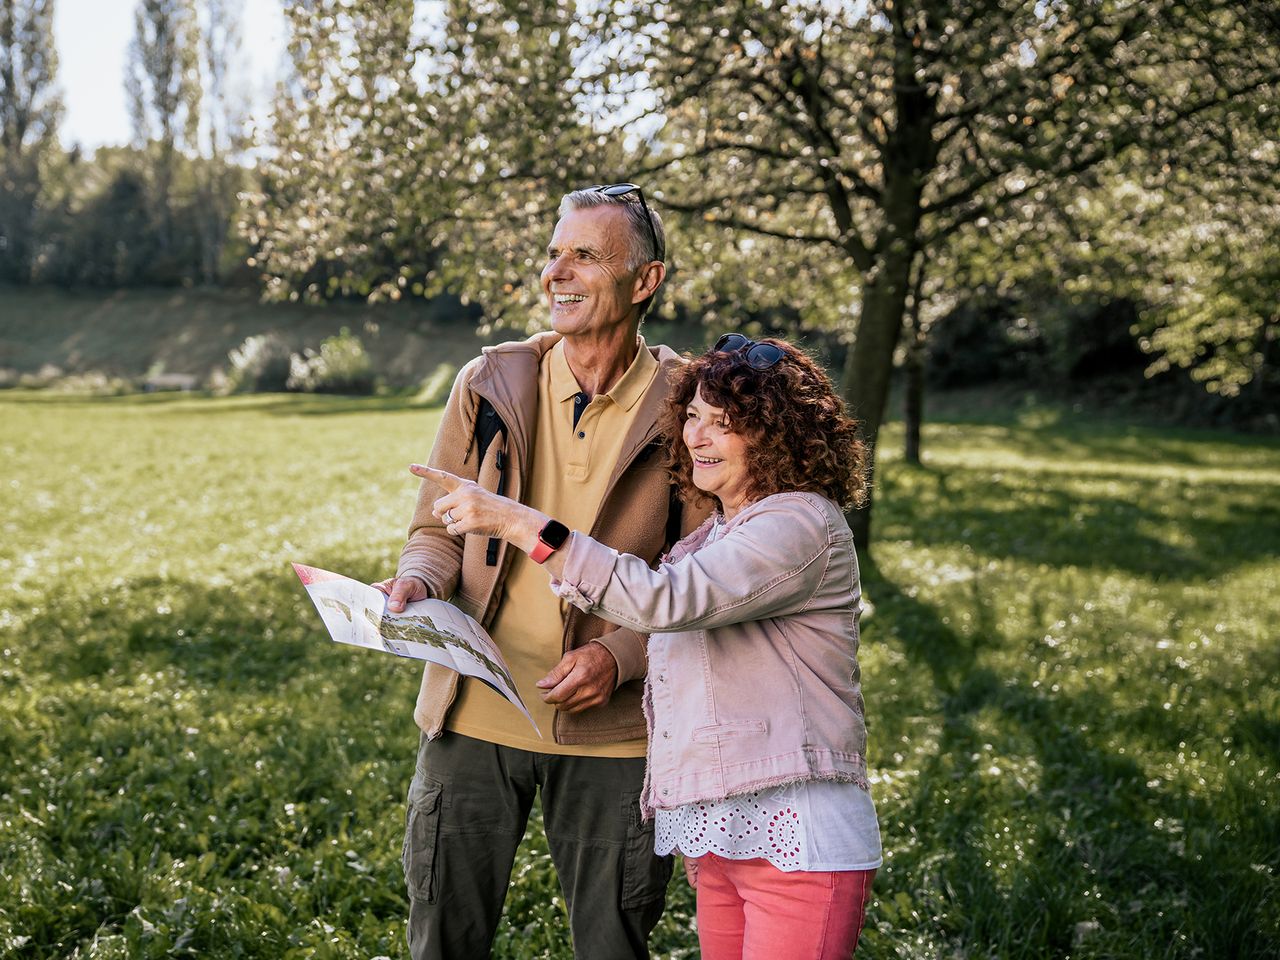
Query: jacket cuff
{"type": "Point", "coordinates": [588, 566]}
{"type": "Point", "coordinates": [630, 652]}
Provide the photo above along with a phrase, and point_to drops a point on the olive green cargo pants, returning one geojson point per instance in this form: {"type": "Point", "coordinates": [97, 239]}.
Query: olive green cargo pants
{"type": "Point", "coordinates": [468, 805]}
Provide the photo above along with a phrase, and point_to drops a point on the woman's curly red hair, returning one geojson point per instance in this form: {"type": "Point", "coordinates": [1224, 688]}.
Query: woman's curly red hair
{"type": "Point", "coordinates": [798, 436]}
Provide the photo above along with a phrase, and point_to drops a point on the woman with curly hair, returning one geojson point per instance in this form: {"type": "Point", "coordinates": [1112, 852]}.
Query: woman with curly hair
{"type": "Point", "coordinates": [756, 762]}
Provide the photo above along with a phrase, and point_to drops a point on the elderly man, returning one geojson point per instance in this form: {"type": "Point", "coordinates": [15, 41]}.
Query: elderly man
{"type": "Point", "coordinates": [567, 422]}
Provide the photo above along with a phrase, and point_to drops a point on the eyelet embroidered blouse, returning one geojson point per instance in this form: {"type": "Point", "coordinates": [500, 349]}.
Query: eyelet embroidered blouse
{"type": "Point", "coordinates": [818, 825]}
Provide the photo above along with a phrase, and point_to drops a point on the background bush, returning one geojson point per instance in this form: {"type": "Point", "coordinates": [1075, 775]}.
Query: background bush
{"type": "Point", "coordinates": [259, 365]}
{"type": "Point", "coordinates": [1036, 339]}
{"type": "Point", "coordinates": [342, 365]}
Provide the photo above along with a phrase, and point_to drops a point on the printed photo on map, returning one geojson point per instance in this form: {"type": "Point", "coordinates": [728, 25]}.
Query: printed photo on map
{"type": "Point", "coordinates": [355, 613]}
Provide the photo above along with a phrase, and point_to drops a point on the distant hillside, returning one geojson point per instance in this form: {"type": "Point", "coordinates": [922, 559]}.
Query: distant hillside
{"type": "Point", "coordinates": [130, 333]}
{"type": "Point", "coordinates": [127, 333]}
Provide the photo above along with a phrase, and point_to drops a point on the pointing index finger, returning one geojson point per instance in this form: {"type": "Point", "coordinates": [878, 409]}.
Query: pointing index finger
{"type": "Point", "coordinates": [441, 477]}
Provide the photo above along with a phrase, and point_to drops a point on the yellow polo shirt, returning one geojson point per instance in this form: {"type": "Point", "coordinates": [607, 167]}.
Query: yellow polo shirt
{"type": "Point", "coordinates": [567, 479]}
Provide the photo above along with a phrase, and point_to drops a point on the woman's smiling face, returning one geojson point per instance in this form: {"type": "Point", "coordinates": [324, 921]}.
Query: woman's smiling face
{"type": "Point", "coordinates": [719, 455]}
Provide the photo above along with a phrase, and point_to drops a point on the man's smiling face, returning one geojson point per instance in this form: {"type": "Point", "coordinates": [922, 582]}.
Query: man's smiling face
{"type": "Point", "coordinates": [589, 287]}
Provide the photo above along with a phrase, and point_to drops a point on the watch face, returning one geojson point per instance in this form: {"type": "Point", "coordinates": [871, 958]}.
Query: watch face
{"type": "Point", "coordinates": [554, 534]}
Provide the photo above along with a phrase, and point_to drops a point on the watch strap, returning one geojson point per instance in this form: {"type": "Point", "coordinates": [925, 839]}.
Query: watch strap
{"type": "Point", "coordinates": [541, 551]}
{"type": "Point", "coordinates": [550, 539]}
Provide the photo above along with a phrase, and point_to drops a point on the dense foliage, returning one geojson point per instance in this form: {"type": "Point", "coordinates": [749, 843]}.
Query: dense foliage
{"type": "Point", "coordinates": [411, 156]}
{"type": "Point", "coordinates": [816, 156]}
{"type": "Point", "coordinates": [29, 112]}
{"type": "Point", "coordinates": [159, 212]}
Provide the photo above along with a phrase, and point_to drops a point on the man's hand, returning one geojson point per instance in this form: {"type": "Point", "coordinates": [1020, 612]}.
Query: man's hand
{"type": "Point", "coordinates": [402, 590]}
{"type": "Point", "coordinates": [584, 678]}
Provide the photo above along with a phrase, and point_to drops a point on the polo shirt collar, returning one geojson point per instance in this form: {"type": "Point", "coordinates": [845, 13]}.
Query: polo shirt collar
{"type": "Point", "coordinates": [626, 393]}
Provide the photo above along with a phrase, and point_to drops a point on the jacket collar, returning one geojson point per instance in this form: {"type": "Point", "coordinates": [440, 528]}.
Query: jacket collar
{"type": "Point", "coordinates": [507, 376]}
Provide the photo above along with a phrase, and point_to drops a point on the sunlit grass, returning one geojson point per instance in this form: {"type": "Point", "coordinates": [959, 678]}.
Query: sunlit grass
{"type": "Point", "coordinates": [1071, 673]}
{"type": "Point", "coordinates": [1074, 664]}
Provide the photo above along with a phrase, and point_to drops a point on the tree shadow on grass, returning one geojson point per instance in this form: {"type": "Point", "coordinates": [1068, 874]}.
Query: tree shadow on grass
{"type": "Point", "coordinates": [1091, 841]}
{"type": "Point", "coordinates": [1043, 431]}
{"type": "Point", "coordinates": [253, 634]}
{"type": "Point", "coordinates": [1140, 446]}
{"type": "Point", "coordinates": [1108, 532]}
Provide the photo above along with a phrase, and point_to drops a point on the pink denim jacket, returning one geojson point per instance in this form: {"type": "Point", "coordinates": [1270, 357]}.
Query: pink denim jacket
{"type": "Point", "coordinates": [753, 672]}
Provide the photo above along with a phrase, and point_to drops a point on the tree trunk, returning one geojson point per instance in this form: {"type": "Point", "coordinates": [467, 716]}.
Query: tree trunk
{"type": "Point", "coordinates": [164, 197]}
{"type": "Point", "coordinates": [913, 372]}
{"type": "Point", "coordinates": [869, 364]}
{"type": "Point", "coordinates": [213, 219]}
{"type": "Point", "coordinates": [19, 201]}
{"type": "Point", "coordinates": [909, 151]}
{"type": "Point", "coordinates": [913, 397]}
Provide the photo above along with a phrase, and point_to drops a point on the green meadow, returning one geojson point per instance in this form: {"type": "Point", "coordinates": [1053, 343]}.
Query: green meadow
{"type": "Point", "coordinates": [1070, 661]}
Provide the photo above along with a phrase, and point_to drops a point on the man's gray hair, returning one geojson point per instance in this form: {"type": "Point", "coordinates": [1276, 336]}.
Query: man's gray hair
{"type": "Point", "coordinates": [641, 246]}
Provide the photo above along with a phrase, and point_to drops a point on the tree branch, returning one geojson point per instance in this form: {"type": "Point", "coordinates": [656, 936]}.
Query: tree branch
{"type": "Point", "coordinates": [739, 223]}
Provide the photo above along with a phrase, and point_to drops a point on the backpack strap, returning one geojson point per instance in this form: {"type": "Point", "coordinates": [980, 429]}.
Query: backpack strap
{"type": "Point", "coordinates": [488, 426]}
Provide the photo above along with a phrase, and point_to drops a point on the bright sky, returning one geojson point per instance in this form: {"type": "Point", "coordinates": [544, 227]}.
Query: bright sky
{"type": "Point", "coordinates": [93, 38]}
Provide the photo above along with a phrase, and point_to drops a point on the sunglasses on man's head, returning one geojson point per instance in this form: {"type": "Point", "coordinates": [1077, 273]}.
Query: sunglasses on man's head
{"type": "Point", "coordinates": [759, 356]}
{"type": "Point", "coordinates": [621, 190]}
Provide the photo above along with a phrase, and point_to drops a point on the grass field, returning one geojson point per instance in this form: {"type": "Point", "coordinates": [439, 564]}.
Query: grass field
{"type": "Point", "coordinates": [1072, 674]}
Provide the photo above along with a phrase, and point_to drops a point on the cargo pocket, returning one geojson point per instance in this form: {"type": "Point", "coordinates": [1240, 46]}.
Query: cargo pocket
{"type": "Point", "coordinates": [644, 873]}
{"type": "Point", "coordinates": [421, 830]}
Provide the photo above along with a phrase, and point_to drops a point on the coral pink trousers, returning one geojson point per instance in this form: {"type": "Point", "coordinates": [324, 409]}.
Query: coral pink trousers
{"type": "Point", "coordinates": [751, 910]}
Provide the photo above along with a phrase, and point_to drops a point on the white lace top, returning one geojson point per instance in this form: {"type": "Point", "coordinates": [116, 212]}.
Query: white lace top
{"type": "Point", "coordinates": [818, 825]}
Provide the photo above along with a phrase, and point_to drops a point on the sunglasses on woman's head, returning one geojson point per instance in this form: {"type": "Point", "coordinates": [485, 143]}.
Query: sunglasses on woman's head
{"type": "Point", "coordinates": [759, 356]}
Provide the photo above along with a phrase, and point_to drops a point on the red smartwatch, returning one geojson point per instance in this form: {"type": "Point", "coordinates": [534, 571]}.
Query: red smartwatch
{"type": "Point", "coordinates": [550, 539]}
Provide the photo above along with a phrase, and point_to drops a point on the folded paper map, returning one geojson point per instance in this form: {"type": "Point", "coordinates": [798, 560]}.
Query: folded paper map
{"type": "Point", "coordinates": [357, 613]}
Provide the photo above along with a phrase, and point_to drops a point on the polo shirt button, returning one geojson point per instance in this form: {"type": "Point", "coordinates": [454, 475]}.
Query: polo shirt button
{"type": "Point", "coordinates": [666, 734]}
{"type": "Point", "coordinates": [665, 791]}
{"type": "Point", "coordinates": [662, 678]}
{"type": "Point", "coordinates": [581, 435]}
